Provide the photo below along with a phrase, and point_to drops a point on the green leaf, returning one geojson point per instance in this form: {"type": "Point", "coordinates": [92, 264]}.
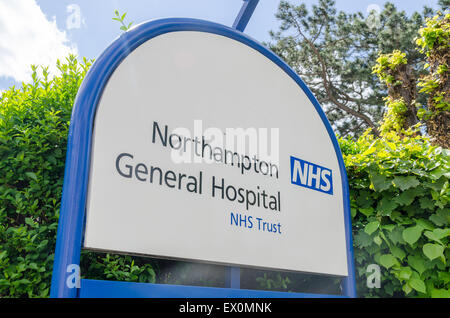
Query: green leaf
{"type": "Point", "coordinates": [377, 240]}
{"type": "Point", "coordinates": [438, 172]}
{"type": "Point", "coordinates": [23, 281]}
{"type": "Point", "coordinates": [371, 227]}
{"type": "Point", "coordinates": [396, 235]}
{"type": "Point", "coordinates": [405, 273]}
{"type": "Point", "coordinates": [440, 293]}
{"type": "Point", "coordinates": [441, 233]}
{"type": "Point", "coordinates": [407, 197]}
{"type": "Point", "coordinates": [386, 205]}
{"type": "Point", "coordinates": [412, 234]}
{"type": "Point", "coordinates": [380, 182]}
{"type": "Point", "coordinates": [388, 260]}
{"type": "Point", "coordinates": [444, 277]}
{"type": "Point", "coordinates": [438, 219]}
{"type": "Point", "coordinates": [31, 175]}
{"type": "Point", "coordinates": [388, 227]}
{"type": "Point", "coordinates": [418, 285]}
{"type": "Point", "coordinates": [427, 225]}
{"type": "Point", "coordinates": [362, 239]}
{"type": "Point", "coordinates": [407, 289]}
{"type": "Point", "coordinates": [30, 222]}
{"type": "Point", "coordinates": [405, 183]}
{"type": "Point", "coordinates": [437, 234]}
{"type": "Point", "coordinates": [435, 185]}
{"type": "Point", "coordinates": [426, 203]}
{"type": "Point", "coordinates": [398, 252]}
{"type": "Point", "coordinates": [433, 251]}
{"type": "Point", "coordinates": [52, 160]}
{"type": "Point", "coordinates": [367, 212]}
{"type": "Point", "coordinates": [364, 199]}
{"type": "Point", "coordinates": [432, 236]}
{"type": "Point", "coordinates": [369, 151]}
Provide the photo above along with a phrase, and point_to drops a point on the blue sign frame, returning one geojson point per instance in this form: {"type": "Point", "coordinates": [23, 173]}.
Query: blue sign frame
{"type": "Point", "coordinates": [73, 204]}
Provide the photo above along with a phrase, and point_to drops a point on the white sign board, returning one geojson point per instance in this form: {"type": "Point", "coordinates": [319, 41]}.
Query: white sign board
{"type": "Point", "coordinates": [160, 108]}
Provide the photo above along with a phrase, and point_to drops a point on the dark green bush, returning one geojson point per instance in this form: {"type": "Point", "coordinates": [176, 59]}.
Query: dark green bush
{"type": "Point", "coordinates": [34, 122]}
{"type": "Point", "coordinates": [400, 194]}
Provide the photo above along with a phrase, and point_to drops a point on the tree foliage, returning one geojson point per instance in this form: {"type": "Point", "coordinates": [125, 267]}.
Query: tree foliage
{"type": "Point", "coordinates": [394, 71]}
{"type": "Point", "coordinates": [334, 53]}
{"type": "Point", "coordinates": [403, 108]}
{"type": "Point", "coordinates": [434, 42]}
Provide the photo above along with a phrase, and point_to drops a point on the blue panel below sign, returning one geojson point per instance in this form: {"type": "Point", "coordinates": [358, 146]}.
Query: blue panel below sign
{"type": "Point", "coordinates": [113, 289]}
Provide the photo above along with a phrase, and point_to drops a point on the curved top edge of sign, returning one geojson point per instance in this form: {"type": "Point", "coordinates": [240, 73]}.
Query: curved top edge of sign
{"type": "Point", "coordinates": [72, 216]}
{"type": "Point", "coordinates": [117, 51]}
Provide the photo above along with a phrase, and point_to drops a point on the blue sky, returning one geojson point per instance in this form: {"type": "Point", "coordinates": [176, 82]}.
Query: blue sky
{"type": "Point", "coordinates": [39, 31]}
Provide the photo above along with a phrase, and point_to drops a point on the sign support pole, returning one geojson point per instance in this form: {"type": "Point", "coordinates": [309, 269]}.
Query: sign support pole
{"type": "Point", "coordinates": [245, 14]}
{"type": "Point", "coordinates": [233, 277]}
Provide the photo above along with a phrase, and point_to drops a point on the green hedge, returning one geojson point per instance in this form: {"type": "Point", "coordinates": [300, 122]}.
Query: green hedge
{"type": "Point", "coordinates": [399, 195]}
{"type": "Point", "coordinates": [34, 123]}
{"type": "Point", "coordinates": [399, 191]}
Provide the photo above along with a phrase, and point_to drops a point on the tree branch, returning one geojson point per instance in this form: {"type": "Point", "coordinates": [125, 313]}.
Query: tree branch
{"type": "Point", "coordinates": [328, 86]}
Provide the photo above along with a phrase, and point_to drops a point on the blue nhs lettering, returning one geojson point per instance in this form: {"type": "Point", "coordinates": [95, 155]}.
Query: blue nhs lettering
{"type": "Point", "coordinates": [311, 176]}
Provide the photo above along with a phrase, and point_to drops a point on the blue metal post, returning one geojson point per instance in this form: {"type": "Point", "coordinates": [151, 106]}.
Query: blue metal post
{"type": "Point", "coordinates": [233, 278]}
{"type": "Point", "coordinates": [71, 219]}
{"type": "Point", "coordinates": [245, 14]}
{"type": "Point", "coordinates": [349, 282]}
{"type": "Point", "coordinates": [73, 202]}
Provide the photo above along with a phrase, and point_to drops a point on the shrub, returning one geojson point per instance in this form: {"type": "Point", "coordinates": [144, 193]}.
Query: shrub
{"type": "Point", "coordinates": [34, 122]}
{"type": "Point", "coordinates": [399, 191]}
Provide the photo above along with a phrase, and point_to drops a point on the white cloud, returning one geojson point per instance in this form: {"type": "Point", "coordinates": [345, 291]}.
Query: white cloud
{"type": "Point", "coordinates": [28, 37]}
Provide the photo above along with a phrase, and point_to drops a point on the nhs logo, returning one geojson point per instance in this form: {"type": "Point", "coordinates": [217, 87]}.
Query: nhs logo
{"type": "Point", "coordinates": [311, 176]}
